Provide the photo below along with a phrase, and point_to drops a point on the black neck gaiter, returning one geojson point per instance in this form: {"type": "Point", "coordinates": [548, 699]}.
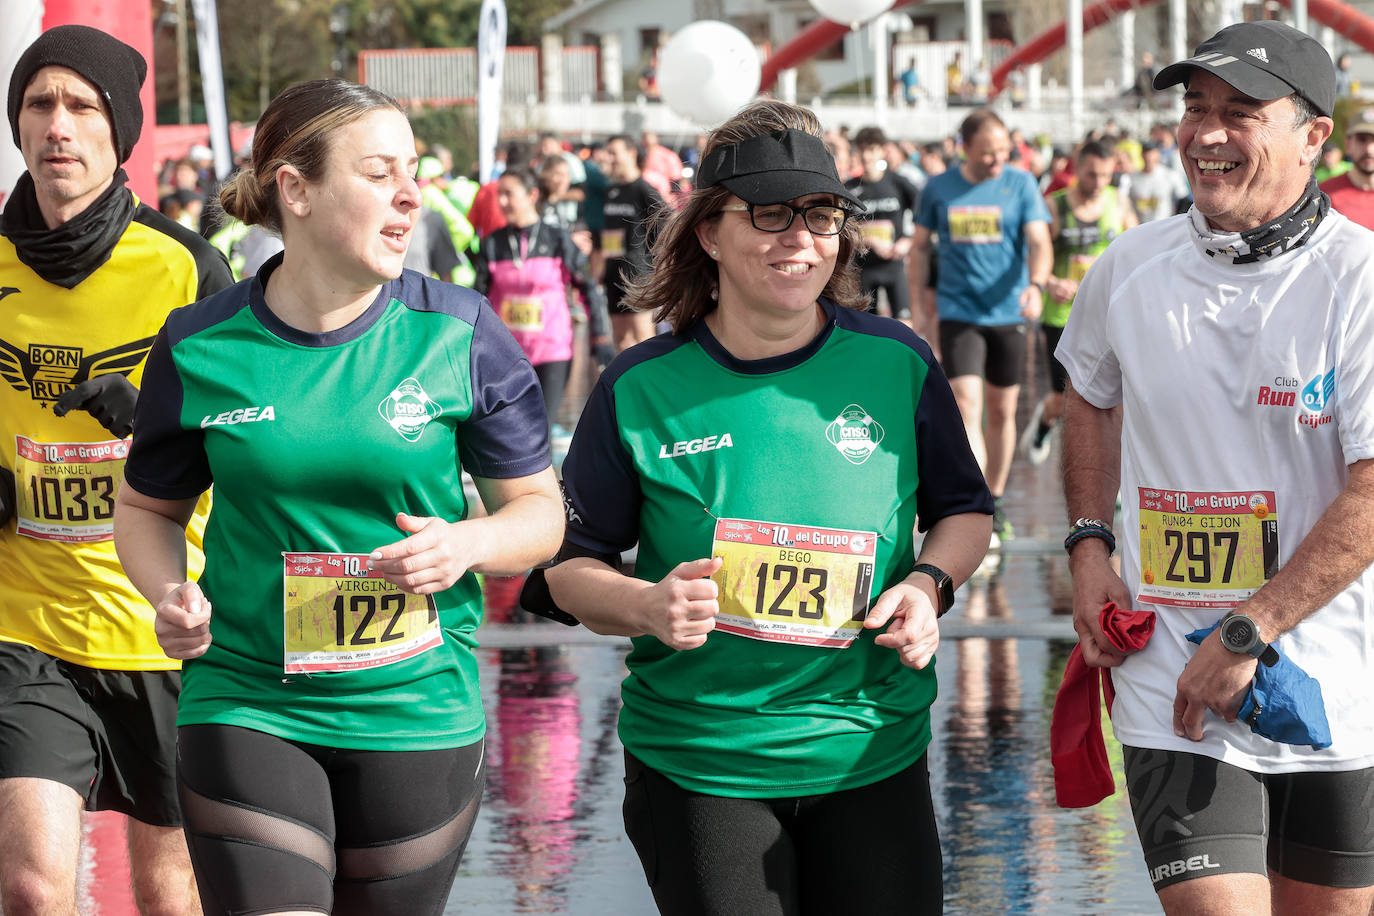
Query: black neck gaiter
{"type": "Point", "coordinates": [76, 249]}
{"type": "Point", "coordinates": [1291, 229]}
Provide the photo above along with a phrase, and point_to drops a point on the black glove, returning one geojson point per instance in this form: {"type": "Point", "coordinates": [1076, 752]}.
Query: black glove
{"type": "Point", "coordinates": [9, 497]}
{"type": "Point", "coordinates": [109, 398]}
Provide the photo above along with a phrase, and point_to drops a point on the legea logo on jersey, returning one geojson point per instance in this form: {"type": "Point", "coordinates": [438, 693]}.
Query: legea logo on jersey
{"type": "Point", "coordinates": [240, 415]}
{"type": "Point", "coordinates": [855, 434]}
{"type": "Point", "coordinates": [408, 409]}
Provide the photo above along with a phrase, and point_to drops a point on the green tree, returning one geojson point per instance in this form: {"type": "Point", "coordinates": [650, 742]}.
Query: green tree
{"type": "Point", "coordinates": [267, 45]}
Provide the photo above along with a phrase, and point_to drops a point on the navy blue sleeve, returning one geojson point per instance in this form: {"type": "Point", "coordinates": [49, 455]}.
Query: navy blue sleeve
{"type": "Point", "coordinates": [166, 460]}
{"type": "Point", "coordinates": [507, 433]}
{"type": "Point", "coordinates": [951, 481]}
{"type": "Point", "coordinates": [601, 492]}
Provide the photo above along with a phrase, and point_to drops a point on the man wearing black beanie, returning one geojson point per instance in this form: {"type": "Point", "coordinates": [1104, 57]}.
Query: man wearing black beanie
{"type": "Point", "coordinates": [87, 276]}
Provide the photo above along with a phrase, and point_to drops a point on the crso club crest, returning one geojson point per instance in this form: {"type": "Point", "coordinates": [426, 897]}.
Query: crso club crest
{"type": "Point", "coordinates": [855, 434]}
{"type": "Point", "coordinates": [408, 409]}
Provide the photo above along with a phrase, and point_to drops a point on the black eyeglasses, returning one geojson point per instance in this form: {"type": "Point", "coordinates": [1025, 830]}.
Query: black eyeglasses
{"type": "Point", "coordinates": [820, 219]}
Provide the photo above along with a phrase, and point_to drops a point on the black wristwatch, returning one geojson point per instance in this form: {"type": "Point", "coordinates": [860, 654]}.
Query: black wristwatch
{"type": "Point", "coordinates": [1240, 635]}
{"type": "Point", "coordinates": [944, 585]}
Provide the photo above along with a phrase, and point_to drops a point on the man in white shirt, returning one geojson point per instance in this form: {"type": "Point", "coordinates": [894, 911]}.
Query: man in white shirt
{"type": "Point", "coordinates": [1222, 381]}
{"type": "Point", "coordinates": [1155, 190]}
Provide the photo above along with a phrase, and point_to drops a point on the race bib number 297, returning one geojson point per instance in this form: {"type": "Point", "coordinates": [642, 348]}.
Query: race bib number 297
{"type": "Point", "coordinates": [1205, 548]}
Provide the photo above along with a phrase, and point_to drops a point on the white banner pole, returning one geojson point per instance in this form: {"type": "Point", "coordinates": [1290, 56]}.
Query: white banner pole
{"type": "Point", "coordinates": [21, 22]}
{"type": "Point", "coordinates": [212, 85]}
{"type": "Point", "coordinates": [491, 58]}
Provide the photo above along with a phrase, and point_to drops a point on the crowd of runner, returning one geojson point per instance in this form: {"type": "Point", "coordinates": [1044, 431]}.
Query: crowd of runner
{"type": "Point", "coordinates": [248, 455]}
{"type": "Point", "coordinates": [594, 204]}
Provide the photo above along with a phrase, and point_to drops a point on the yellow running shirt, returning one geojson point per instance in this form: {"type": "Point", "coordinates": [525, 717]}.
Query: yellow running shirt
{"type": "Point", "coordinates": [62, 589]}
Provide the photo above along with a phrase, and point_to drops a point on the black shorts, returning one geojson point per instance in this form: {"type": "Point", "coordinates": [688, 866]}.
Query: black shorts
{"type": "Point", "coordinates": [1197, 816]}
{"type": "Point", "coordinates": [1059, 376]}
{"type": "Point", "coordinates": [891, 277]}
{"type": "Point", "coordinates": [277, 825]}
{"type": "Point", "coordinates": [996, 353]}
{"type": "Point", "coordinates": [618, 276]}
{"type": "Point", "coordinates": [553, 379]}
{"type": "Point", "coordinates": [109, 735]}
{"type": "Point", "coordinates": [874, 849]}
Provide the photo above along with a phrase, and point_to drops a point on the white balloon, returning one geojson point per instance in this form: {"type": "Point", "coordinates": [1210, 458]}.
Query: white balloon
{"type": "Point", "coordinates": [707, 71]}
{"type": "Point", "coordinates": [851, 12]}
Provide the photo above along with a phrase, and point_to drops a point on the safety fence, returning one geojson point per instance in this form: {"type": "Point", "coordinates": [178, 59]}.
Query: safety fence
{"type": "Point", "coordinates": [437, 77]}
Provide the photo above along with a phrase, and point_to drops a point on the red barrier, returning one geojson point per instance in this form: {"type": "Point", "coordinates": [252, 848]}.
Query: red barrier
{"type": "Point", "coordinates": [806, 44]}
{"type": "Point", "coordinates": [1055, 37]}
{"type": "Point", "coordinates": [104, 888]}
{"type": "Point", "coordinates": [1343, 18]}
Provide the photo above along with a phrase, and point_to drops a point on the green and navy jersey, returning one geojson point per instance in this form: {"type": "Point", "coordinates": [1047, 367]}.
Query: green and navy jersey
{"type": "Point", "coordinates": [314, 442]}
{"type": "Point", "coordinates": [680, 441]}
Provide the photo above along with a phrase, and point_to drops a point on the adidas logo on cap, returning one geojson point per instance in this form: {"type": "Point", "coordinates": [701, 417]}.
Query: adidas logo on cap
{"type": "Point", "coordinates": [1258, 53]}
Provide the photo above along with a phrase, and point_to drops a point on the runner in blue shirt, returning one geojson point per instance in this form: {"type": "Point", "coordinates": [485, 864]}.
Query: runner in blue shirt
{"type": "Point", "coordinates": [995, 259]}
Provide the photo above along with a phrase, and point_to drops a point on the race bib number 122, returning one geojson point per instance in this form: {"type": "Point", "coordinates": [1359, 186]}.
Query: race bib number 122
{"type": "Point", "coordinates": [341, 615]}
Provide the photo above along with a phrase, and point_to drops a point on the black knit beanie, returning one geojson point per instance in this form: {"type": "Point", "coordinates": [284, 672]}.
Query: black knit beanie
{"type": "Point", "coordinates": [115, 69]}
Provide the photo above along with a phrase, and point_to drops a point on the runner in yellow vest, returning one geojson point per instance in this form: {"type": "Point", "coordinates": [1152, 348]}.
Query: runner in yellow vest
{"type": "Point", "coordinates": [1084, 218]}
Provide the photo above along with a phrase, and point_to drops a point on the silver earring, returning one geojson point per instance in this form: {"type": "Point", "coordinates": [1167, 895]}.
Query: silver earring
{"type": "Point", "coordinates": [714, 253]}
{"type": "Point", "coordinates": [715, 294]}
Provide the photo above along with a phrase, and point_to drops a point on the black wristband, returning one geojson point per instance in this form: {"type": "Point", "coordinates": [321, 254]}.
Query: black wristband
{"type": "Point", "coordinates": [1081, 532]}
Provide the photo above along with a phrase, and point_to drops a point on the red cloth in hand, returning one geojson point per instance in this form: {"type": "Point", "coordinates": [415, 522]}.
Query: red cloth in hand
{"type": "Point", "coordinates": [1078, 753]}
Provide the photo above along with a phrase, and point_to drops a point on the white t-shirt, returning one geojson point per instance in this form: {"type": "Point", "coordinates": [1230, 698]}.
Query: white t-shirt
{"type": "Point", "coordinates": [1247, 391]}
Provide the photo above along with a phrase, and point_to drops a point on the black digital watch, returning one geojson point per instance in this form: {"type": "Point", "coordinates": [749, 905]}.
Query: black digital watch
{"type": "Point", "coordinates": [1240, 635]}
{"type": "Point", "coordinates": [944, 585]}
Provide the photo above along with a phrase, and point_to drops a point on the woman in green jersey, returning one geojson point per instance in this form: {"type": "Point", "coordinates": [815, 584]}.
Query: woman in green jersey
{"type": "Point", "coordinates": [771, 457]}
{"type": "Point", "coordinates": [330, 732]}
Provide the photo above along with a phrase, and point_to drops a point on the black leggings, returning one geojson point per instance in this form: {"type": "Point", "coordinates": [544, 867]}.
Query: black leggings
{"type": "Point", "coordinates": [276, 825]}
{"type": "Point", "coordinates": [891, 276]}
{"type": "Point", "coordinates": [871, 851]}
{"type": "Point", "coordinates": [553, 379]}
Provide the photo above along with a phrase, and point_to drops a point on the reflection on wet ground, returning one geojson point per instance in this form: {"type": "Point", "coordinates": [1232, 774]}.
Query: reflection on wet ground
{"type": "Point", "coordinates": [550, 841]}
{"type": "Point", "coordinates": [1008, 848]}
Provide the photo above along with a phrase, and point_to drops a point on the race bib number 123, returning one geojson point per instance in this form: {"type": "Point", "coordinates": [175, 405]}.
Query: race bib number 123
{"type": "Point", "coordinates": [793, 583]}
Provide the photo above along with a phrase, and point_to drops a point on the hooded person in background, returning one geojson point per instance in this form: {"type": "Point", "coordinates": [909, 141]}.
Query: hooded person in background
{"type": "Point", "coordinates": [88, 273]}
